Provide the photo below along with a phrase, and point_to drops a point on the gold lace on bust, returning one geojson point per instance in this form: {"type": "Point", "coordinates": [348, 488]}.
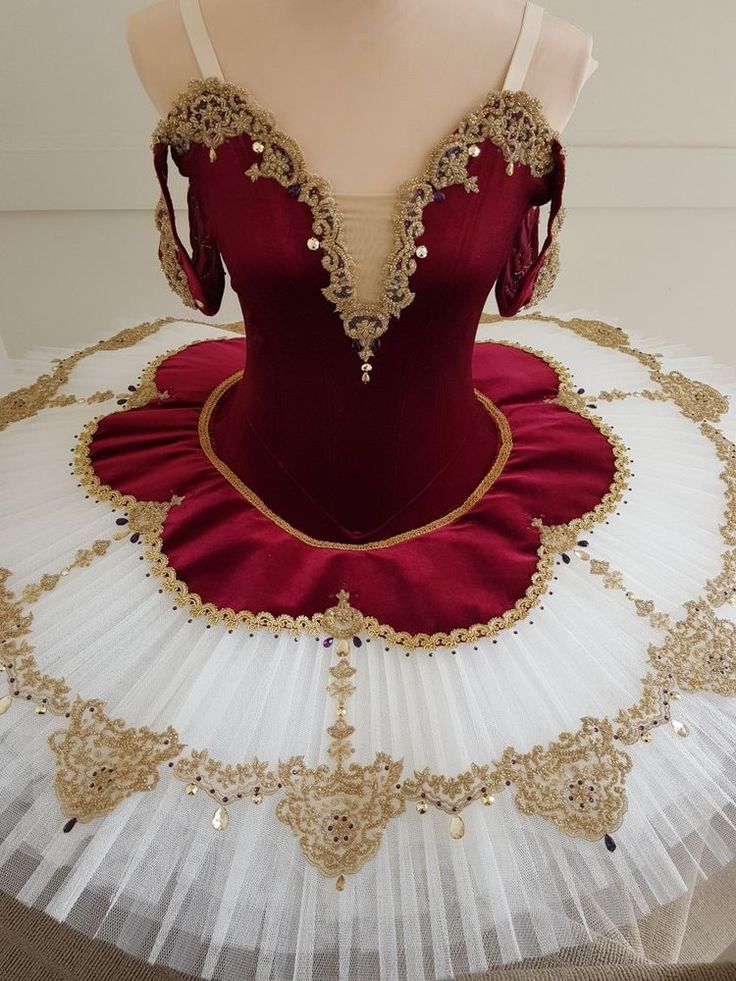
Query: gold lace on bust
{"type": "Point", "coordinates": [211, 111]}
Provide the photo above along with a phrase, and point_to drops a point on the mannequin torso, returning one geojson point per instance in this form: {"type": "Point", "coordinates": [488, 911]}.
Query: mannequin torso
{"type": "Point", "coordinates": [358, 87]}
{"type": "Point", "coordinates": [364, 89]}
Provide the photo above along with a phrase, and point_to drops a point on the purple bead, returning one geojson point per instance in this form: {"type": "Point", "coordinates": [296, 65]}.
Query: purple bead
{"type": "Point", "coordinates": [327, 642]}
{"type": "Point", "coordinates": [294, 189]}
{"type": "Point", "coordinates": [439, 195]}
{"type": "Point", "coordinates": [610, 843]}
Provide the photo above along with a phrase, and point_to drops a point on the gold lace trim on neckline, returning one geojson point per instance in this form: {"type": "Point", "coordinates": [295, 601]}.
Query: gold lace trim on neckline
{"type": "Point", "coordinates": [210, 111]}
{"type": "Point", "coordinates": [499, 462]}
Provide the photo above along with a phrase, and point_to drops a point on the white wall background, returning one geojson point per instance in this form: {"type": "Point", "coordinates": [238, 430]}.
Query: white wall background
{"type": "Point", "coordinates": [651, 193]}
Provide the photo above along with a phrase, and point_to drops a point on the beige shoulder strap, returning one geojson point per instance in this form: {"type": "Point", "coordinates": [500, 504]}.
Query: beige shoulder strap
{"type": "Point", "coordinates": [199, 39]}
{"type": "Point", "coordinates": [526, 43]}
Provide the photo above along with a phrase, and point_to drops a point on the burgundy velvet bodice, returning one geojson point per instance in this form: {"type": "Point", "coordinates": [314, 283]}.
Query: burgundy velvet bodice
{"type": "Point", "coordinates": [338, 458]}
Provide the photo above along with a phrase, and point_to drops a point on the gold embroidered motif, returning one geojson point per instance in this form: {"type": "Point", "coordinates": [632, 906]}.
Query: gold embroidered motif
{"type": "Point", "coordinates": [652, 709]}
{"type": "Point", "coordinates": [25, 680]}
{"type": "Point", "coordinates": [699, 652]}
{"type": "Point", "coordinates": [100, 761]}
{"type": "Point", "coordinates": [168, 255]}
{"type": "Point", "coordinates": [146, 518]}
{"type": "Point", "coordinates": [613, 579]}
{"type": "Point", "coordinates": [210, 111]}
{"type": "Point", "coordinates": [26, 402]}
{"type": "Point", "coordinates": [726, 451]}
{"type": "Point", "coordinates": [722, 588]}
{"type": "Point", "coordinates": [496, 468]}
{"type": "Point", "coordinates": [225, 783]}
{"type": "Point", "coordinates": [577, 783]}
{"type": "Point", "coordinates": [695, 399]}
{"type": "Point", "coordinates": [550, 268]}
{"type": "Point", "coordinates": [63, 400]}
{"type": "Point", "coordinates": [338, 814]}
{"type": "Point", "coordinates": [453, 794]}
{"type": "Point", "coordinates": [84, 557]}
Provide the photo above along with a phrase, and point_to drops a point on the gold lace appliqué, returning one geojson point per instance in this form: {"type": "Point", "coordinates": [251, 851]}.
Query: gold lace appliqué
{"type": "Point", "coordinates": [100, 761]}
{"type": "Point", "coordinates": [211, 111]}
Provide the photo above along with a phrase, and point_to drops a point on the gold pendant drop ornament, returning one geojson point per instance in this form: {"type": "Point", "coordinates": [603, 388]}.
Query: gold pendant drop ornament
{"type": "Point", "coordinates": [220, 819]}
{"type": "Point", "coordinates": [457, 827]}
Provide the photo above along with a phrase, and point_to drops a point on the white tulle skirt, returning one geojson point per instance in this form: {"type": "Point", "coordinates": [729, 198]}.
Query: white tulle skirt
{"type": "Point", "coordinates": [525, 879]}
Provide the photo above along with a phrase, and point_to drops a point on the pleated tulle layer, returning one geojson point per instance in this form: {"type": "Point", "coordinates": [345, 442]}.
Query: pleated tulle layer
{"type": "Point", "coordinates": [154, 877]}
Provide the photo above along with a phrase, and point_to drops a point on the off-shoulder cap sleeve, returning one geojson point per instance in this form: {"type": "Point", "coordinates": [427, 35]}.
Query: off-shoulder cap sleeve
{"type": "Point", "coordinates": [530, 272]}
{"type": "Point", "coordinates": [199, 278]}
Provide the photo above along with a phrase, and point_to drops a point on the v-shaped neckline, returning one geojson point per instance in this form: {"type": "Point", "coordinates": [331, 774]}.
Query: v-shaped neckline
{"type": "Point", "coordinates": [210, 111]}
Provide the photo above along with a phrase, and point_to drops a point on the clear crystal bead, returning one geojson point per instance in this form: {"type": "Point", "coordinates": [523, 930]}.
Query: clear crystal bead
{"type": "Point", "coordinates": [473, 149]}
{"type": "Point", "coordinates": [422, 251]}
{"type": "Point", "coordinates": [680, 728]}
{"type": "Point", "coordinates": [258, 146]}
{"type": "Point", "coordinates": [313, 243]}
{"type": "Point", "coordinates": [191, 789]}
{"type": "Point", "coordinates": [422, 806]}
{"type": "Point", "coordinates": [5, 702]}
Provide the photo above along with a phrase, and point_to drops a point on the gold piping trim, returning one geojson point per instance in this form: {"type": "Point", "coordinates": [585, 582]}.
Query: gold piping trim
{"type": "Point", "coordinates": [502, 427]}
{"type": "Point", "coordinates": [552, 538]}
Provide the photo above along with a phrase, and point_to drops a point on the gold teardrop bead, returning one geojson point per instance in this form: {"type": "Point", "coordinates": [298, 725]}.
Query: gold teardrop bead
{"type": "Point", "coordinates": [342, 647]}
{"type": "Point", "coordinates": [510, 167]}
{"type": "Point", "coordinates": [340, 883]}
{"type": "Point", "coordinates": [457, 827]}
{"type": "Point", "coordinates": [221, 819]}
{"type": "Point", "coordinates": [5, 702]}
{"type": "Point", "coordinates": [366, 377]}
{"type": "Point", "coordinates": [213, 154]}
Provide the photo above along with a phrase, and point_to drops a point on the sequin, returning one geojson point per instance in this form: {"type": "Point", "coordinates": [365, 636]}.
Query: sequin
{"type": "Point", "coordinates": [457, 827]}
{"type": "Point", "coordinates": [220, 819]}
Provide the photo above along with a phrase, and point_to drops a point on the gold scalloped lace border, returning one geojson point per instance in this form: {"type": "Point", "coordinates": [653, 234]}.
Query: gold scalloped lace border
{"type": "Point", "coordinates": [551, 539]}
